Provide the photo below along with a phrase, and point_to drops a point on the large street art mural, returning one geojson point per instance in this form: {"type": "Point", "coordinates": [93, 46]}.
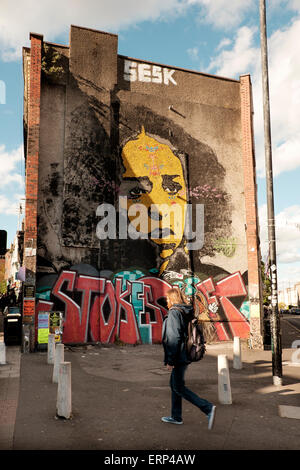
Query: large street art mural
{"type": "Point", "coordinates": [113, 289]}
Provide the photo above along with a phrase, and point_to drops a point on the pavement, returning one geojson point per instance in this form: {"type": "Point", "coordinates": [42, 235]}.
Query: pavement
{"type": "Point", "coordinates": [120, 393]}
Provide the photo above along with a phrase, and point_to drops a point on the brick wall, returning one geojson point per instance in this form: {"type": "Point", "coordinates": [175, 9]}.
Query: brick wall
{"type": "Point", "coordinates": [252, 230]}
{"type": "Point", "coordinates": [32, 162]}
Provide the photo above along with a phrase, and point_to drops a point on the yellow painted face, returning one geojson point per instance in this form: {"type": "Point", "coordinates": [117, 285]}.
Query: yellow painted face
{"type": "Point", "coordinates": [154, 179]}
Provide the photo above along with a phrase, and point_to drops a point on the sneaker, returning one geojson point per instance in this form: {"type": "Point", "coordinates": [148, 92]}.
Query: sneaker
{"type": "Point", "coordinates": [169, 419]}
{"type": "Point", "coordinates": [211, 417]}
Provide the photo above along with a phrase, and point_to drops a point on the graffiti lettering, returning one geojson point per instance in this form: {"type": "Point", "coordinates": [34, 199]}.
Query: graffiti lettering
{"type": "Point", "coordinates": [73, 328]}
{"type": "Point", "coordinates": [147, 73]}
{"type": "Point", "coordinates": [133, 309]}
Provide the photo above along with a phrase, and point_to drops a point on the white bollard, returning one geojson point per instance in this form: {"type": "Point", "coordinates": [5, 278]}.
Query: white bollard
{"type": "Point", "coordinates": [224, 389]}
{"type": "Point", "coordinates": [237, 353]}
{"type": "Point", "coordinates": [51, 348]}
{"type": "Point", "coordinates": [2, 353]}
{"type": "Point", "coordinates": [64, 393]}
{"type": "Point", "coordinates": [25, 339]}
{"type": "Point", "coordinates": [58, 359]}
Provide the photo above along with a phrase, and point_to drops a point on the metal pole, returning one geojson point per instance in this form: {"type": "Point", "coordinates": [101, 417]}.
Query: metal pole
{"type": "Point", "coordinates": [275, 319]}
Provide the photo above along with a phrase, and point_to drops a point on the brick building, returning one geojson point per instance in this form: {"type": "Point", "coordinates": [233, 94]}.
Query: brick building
{"type": "Point", "coordinates": [290, 296]}
{"type": "Point", "coordinates": [3, 249]}
{"type": "Point", "coordinates": [101, 129]}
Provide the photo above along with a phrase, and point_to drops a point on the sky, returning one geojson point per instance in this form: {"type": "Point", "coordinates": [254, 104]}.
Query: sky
{"type": "Point", "coordinates": [210, 36]}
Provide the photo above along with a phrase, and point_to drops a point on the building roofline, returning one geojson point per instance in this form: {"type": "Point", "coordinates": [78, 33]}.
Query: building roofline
{"type": "Point", "coordinates": [183, 69]}
{"type": "Point", "coordinates": [95, 30]}
{"type": "Point", "coordinates": [56, 44]}
{"type": "Point", "coordinates": [36, 35]}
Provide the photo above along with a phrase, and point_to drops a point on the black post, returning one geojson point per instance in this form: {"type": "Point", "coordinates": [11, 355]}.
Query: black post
{"type": "Point", "coordinates": [275, 319]}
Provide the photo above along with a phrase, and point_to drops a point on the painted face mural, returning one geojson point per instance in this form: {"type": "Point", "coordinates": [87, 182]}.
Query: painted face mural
{"type": "Point", "coordinates": [154, 184]}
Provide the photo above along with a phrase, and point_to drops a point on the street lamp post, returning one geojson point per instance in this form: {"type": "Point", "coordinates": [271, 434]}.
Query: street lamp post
{"type": "Point", "coordinates": [275, 320]}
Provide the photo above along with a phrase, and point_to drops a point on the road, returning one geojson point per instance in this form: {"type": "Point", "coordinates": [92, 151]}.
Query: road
{"type": "Point", "coordinates": [290, 326]}
{"type": "Point", "coordinates": [293, 320]}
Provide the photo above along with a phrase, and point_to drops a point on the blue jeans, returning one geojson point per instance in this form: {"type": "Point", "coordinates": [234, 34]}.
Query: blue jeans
{"type": "Point", "coordinates": [179, 391]}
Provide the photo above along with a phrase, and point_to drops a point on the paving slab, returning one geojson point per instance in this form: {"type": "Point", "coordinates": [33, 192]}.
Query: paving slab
{"type": "Point", "coordinates": [120, 393]}
{"type": "Point", "coordinates": [286, 411]}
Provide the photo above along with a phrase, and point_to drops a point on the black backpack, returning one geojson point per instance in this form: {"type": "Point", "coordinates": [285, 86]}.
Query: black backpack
{"type": "Point", "coordinates": [194, 340]}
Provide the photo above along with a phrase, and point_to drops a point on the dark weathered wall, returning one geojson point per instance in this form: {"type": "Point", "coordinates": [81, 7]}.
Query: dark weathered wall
{"type": "Point", "coordinates": [113, 126]}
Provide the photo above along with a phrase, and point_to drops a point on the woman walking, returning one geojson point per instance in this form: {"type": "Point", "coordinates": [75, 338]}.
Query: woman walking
{"type": "Point", "coordinates": [173, 336]}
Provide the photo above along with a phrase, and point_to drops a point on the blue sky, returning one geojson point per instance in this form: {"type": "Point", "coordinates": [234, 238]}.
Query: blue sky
{"type": "Point", "coordinates": [212, 36]}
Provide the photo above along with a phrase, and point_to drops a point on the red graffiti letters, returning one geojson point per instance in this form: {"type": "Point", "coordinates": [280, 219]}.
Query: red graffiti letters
{"type": "Point", "coordinates": [132, 311]}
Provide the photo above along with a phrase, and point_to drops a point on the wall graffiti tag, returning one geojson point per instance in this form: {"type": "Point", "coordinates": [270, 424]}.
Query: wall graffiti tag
{"type": "Point", "coordinates": [132, 309]}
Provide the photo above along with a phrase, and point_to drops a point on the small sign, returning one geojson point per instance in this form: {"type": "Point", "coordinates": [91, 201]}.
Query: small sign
{"type": "Point", "coordinates": [28, 307]}
{"type": "Point", "coordinates": [50, 322]}
{"type": "Point", "coordinates": [29, 292]}
{"type": "Point", "coordinates": [43, 320]}
{"type": "Point", "coordinates": [43, 334]}
{"type": "Point", "coordinates": [56, 325]}
{"type": "Point", "coordinates": [30, 251]}
{"type": "Point", "coordinates": [28, 320]}
{"type": "Point", "coordinates": [43, 327]}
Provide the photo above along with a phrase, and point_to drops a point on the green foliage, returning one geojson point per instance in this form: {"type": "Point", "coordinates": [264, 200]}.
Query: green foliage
{"type": "Point", "coordinates": [51, 62]}
{"type": "Point", "coordinates": [3, 281]}
{"type": "Point", "coordinates": [282, 306]}
{"type": "Point", "coordinates": [2, 286]}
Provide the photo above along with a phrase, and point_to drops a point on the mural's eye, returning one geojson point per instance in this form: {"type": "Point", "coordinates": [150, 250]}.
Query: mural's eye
{"type": "Point", "coordinates": [172, 187]}
{"type": "Point", "coordinates": [136, 192]}
{"type": "Point", "coordinates": [171, 191]}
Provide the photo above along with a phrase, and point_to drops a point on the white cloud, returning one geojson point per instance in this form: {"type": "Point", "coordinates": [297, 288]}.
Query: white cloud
{"type": "Point", "coordinates": [9, 205]}
{"type": "Point", "coordinates": [288, 275]}
{"type": "Point", "coordinates": [284, 71]}
{"type": "Point", "coordinates": [284, 76]}
{"type": "Point", "coordinates": [193, 52]}
{"type": "Point", "coordinates": [294, 4]}
{"type": "Point", "coordinates": [287, 228]}
{"type": "Point", "coordinates": [53, 17]}
{"type": "Point", "coordinates": [10, 166]}
{"type": "Point", "coordinates": [238, 60]}
{"type": "Point", "coordinates": [222, 13]}
{"type": "Point", "coordinates": [284, 84]}
{"type": "Point", "coordinates": [224, 43]}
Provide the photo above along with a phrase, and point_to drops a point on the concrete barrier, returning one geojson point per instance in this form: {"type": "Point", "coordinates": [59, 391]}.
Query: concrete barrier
{"type": "Point", "coordinates": [224, 388]}
{"type": "Point", "coordinates": [2, 353]}
{"type": "Point", "coordinates": [237, 353]}
{"type": "Point", "coordinates": [51, 349]}
{"type": "Point", "coordinates": [64, 392]}
{"type": "Point", "coordinates": [58, 359]}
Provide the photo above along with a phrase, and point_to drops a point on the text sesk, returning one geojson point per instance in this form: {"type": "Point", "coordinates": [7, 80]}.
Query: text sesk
{"type": "Point", "coordinates": [148, 73]}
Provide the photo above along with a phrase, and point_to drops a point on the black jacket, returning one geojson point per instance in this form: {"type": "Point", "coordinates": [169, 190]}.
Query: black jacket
{"type": "Point", "coordinates": [174, 333]}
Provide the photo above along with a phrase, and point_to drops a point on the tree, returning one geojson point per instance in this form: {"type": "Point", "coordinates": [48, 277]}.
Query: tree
{"type": "Point", "coordinates": [2, 280]}
{"type": "Point", "coordinates": [3, 287]}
